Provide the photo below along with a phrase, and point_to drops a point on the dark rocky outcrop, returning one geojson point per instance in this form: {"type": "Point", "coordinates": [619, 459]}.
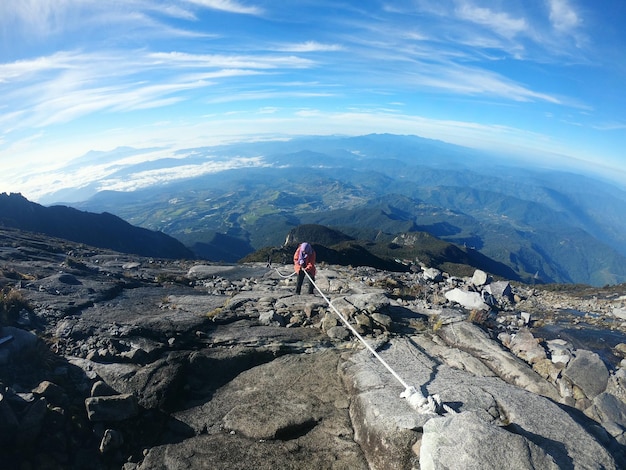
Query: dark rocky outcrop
{"type": "Point", "coordinates": [99, 230]}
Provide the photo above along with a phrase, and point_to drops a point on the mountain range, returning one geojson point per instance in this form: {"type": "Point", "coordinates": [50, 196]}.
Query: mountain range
{"type": "Point", "coordinates": [543, 223]}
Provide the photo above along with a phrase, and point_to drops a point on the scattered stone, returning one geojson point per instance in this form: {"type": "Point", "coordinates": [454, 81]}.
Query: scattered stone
{"type": "Point", "coordinates": [101, 389]}
{"type": "Point", "coordinates": [131, 265]}
{"type": "Point", "coordinates": [271, 318]}
{"type": "Point", "coordinates": [560, 351]}
{"type": "Point", "coordinates": [621, 349]}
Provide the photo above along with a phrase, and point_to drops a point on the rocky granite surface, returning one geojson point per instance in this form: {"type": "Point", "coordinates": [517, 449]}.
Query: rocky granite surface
{"type": "Point", "coordinates": [115, 361]}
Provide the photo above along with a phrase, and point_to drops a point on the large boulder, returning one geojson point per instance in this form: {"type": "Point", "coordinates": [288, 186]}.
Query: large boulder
{"type": "Point", "coordinates": [587, 371]}
{"type": "Point", "coordinates": [470, 338]}
{"type": "Point", "coordinates": [17, 343]}
{"type": "Point", "coordinates": [155, 386]}
{"type": "Point", "coordinates": [607, 408]}
{"type": "Point", "coordinates": [467, 441]}
{"type": "Point", "coordinates": [534, 429]}
{"type": "Point", "coordinates": [289, 413]}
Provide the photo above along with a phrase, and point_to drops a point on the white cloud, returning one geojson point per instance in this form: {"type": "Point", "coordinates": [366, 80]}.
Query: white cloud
{"type": "Point", "coordinates": [259, 61]}
{"type": "Point", "coordinates": [465, 80]}
{"type": "Point", "coordinates": [268, 110]}
{"type": "Point", "coordinates": [563, 16]}
{"type": "Point", "coordinates": [149, 178]}
{"type": "Point", "coordinates": [228, 6]}
{"type": "Point", "coordinates": [310, 46]}
{"type": "Point", "coordinates": [267, 95]}
{"type": "Point", "coordinates": [611, 126]}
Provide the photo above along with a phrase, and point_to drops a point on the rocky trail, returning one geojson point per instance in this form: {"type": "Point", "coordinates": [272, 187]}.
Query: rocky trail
{"type": "Point", "coordinates": [113, 361]}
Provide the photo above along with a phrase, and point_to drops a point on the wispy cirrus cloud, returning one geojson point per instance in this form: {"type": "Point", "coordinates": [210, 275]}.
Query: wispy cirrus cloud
{"type": "Point", "coordinates": [67, 85]}
{"type": "Point", "coordinates": [230, 6]}
{"type": "Point", "coordinates": [234, 61]}
{"type": "Point", "coordinates": [465, 80]}
{"type": "Point", "coordinates": [310, 46]}
{"type": "Point", "coordinates": [500, 22]}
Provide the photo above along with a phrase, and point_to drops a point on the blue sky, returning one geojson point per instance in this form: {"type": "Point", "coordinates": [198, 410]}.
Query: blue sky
{"type": "Point", "coordinates": [542, 79]}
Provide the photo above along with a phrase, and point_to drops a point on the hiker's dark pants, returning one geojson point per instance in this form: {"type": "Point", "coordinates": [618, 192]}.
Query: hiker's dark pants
{"type": "Point", "coordinates": [301, 276]}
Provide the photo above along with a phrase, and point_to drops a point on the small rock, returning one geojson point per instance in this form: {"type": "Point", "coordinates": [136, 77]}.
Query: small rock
{"type": "Point", "coordinates": [338, 332]}
{"type": "Point", "coordinates": [329, 321]}
{"type": "Point", "coordinates": [621, 349]}
{"type": "Point", "coordinates": [499, 289]}
{"type": "Point", "coordinates": [270, 318]}
{"type": "Point", "coordinates": [363, 320]}
{"type": "Point", "coordinates": [479, 278]}
{"type": "Point", "coordinates": [469, 300]}
{"type": "Point", "coordinates": [101, 389]}
{"type": "Point", "coordinates": [112, 440]}
{"type": "Point", "coordinates": [52, 392]}
{"type": "Point", "coordinates": [112, 408]}
{"type": "Point", "coordinates": [32, 423]}
{"type": "Point", "coordinates": [524, 345]}
{"type": "Point", "coordinates": [131, 265]}
{"type": "Point", "coordinates": [433, 274]}
{"type": "Point", "coordinates": [383, 320]}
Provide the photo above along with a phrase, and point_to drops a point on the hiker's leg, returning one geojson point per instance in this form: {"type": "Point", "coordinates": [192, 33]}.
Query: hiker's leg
{"type": "Point", "coordinates": [300, 280]}
{"type": "Point", "coordinates": [311, 284]}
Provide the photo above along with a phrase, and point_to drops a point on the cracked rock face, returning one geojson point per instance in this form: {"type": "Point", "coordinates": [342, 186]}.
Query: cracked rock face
{"type": "Point", "coordinates": [115, 361]}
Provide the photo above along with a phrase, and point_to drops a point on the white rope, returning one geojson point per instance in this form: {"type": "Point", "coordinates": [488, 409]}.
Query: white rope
{"type": "Point", "coordinates": [356, 333]}
{"type": "Point", "coordinates": [284, 276]}
{"type": "Point", "coordinates": [417, 401]}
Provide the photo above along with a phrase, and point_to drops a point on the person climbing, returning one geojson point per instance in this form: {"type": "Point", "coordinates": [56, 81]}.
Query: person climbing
{"type": "Point", "coordinates": [304, 260]}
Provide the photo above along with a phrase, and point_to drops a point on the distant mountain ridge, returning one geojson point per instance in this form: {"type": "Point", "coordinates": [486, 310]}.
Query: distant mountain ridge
{"type": "Point", "coordinates": [389, 253]}
{"type": "Point", "coordinates": [99, 230]}
{"type": "Point", "coordinates": [543, 223]}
